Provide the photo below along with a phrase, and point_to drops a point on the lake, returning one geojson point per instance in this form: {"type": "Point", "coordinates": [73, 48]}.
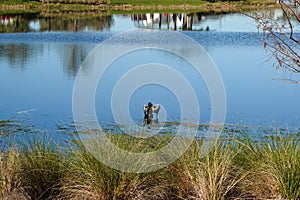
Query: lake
{"type": "Point", "coordinates": [41, 55]}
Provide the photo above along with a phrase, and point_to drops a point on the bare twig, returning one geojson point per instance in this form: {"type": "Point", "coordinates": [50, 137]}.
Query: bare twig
{"type": "Point", "coordinates": [280, 37]}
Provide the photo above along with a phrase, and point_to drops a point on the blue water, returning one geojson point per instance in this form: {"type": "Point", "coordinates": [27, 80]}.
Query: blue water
{"type": "Point", "coordinates": [37, 73]}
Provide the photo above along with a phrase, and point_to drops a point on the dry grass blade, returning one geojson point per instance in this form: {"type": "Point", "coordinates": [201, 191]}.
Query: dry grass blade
{"type": "Point", "coordinates": [212, 177]}
{"type": "Point", "coordinates": [274, 166]}
{"type": "Point", "coordinates": [89, 178]}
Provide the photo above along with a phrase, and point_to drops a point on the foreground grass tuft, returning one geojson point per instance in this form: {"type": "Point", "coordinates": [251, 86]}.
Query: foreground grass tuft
{"type": "Point", "coordinates": [42, 167]}
{"type": "Point", "coordinates": [211, 177]}
{"type": "Point", "coordinates": [239, 166]}
{"type": "Point", "coordinates": [88, 178]}
{"type": "Point", "coordinates": [9, 166]}
{"type": "Point", "coordinates": [274, 163]}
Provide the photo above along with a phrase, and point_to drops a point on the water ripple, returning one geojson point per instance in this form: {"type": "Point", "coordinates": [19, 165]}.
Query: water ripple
{"type": "Point", "coordinates": [55, 37]}
{"type": "Point", "coordinates": [206, 39]}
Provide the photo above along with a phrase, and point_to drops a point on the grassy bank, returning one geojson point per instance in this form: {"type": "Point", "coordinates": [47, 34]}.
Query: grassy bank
{"type": "Point", "coordinates": [133, 6]}
{"type": "Point", "coordinates": [237, 167]}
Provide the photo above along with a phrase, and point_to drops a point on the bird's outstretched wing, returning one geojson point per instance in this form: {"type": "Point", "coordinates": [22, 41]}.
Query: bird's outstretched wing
{"type": "Point", "coordinates": [156, 108]}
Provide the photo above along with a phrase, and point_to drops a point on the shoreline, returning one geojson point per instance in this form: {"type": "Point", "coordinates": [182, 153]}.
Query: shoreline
{"type": "Point", "coordinates": [218, 7]}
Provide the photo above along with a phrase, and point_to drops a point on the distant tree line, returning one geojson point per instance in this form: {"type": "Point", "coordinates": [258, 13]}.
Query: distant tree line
{"type": "Point", "coordinates": [16, 1]}
{"type": "Point", "coordinates": [60, 1]}
{"type": "Point", "coordinates": [85, 1]}
{"type": "Point", "coordinates": [76, 1]}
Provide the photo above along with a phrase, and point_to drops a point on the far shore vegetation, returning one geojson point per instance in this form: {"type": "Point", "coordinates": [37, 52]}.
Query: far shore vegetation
{"type": "Point", "coordinates": [132, 6]}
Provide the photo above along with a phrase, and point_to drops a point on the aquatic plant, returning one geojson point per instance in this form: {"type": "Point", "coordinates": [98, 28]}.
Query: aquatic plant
{"type": "Point", "coordinates": [89, 178]}
{"type": "Point", "coordinates": [9, 171]}
{"type": "Point", "coordinates": [42, 167]}
{"type": "Point", "coordinates": [273, 163]}
{"type": "Point", "coordinates": [241, 164]}
{"type": "Point", "coordinates": [210, 177]}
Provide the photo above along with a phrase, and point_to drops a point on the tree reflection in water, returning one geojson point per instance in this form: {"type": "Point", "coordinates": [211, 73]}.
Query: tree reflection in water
{"type": "Point", "coordinates": [45, 22]}
{"type": "Point", "coordinates": [72, 57]}
{"type": "Point", "coordinates": [173, 21]}
{"type": "Point", "coordinates": [21, 56]}
{"type": "Point", "coordinates": [17, 55]}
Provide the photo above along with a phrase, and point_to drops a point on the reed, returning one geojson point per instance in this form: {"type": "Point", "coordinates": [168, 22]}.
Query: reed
{"type": "Point", "coordinates": [42, 167]}
{"type": "Point", "coordinates": [242, 164]}
{"type": "Point", "coordinates": [274, 165]}
{"type": "Point", "coordinates": [211, 177]}
{"type": "Point", "coordinates": [9, 170]}
{"type": "Point", "coordinates": [89, 178]}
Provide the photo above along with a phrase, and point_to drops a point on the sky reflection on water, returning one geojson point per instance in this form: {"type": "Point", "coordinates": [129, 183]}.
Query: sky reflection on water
{"type": "Point", "coordinates": [38, 70]}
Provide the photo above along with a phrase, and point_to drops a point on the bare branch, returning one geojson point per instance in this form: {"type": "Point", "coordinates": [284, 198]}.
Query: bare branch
{"type": "Point", "coordinates": [280, 37]}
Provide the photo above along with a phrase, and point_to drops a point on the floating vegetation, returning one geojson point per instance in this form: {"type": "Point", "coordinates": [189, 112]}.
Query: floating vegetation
{"type": "Point", "coordinates": [8, 127]}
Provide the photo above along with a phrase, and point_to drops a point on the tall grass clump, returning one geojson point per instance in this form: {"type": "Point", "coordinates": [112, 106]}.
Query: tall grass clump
{"type": "Point", "coordinates": [1, 176]}
{"type": "Point", "coordinates": [211, 177]}
{"type": "Point", "coordinates": [10, 180]}
{"type": "Point", "coordinates": [274, 165]}
{"type": "Point", "coordinates": [240, 165]}
{"type": "Point", "coordinates": [42, 167]}
{"type": "Point", "coordinates": [89, 178]}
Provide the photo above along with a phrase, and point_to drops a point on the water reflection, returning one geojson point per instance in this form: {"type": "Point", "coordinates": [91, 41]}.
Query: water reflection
{"type": "Point", "coordinates": [46, 84]}
{"type": "Point", "coordinates": [38, 69]}
{"type": "Point", "coordinates": [17, 23]}
{"type": "Point", "coordinates": [72, 56]}
{"type": "Point", "coordinates": [19, 55]}
{"type": "Point", "coordinates": [39, 23]}
{"type": "Point", "coordinates": [174, 21]}
{"type": "Point", "coordinates": [203, 21]}
{"type": "Point", "coordinates": [77, 22]}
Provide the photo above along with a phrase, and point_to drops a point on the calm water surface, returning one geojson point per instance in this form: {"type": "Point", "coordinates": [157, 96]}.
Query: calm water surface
{"type": "Point", "coordinates": [39, 59]}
